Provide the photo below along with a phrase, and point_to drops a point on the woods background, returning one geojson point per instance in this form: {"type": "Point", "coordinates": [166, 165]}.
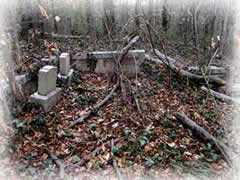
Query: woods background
{"type": "Point", "coordinates": [182, 21]}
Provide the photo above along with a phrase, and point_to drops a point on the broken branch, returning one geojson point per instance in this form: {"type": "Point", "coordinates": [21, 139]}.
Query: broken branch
{"type": "Point", "coordinates": [85, 116]}
{"type": "Point", "coordinates": [123, 53]}
{"type": "Point", "coordinates": [197, 78]}
{"type": "Point", "coordinates": [206, 136]}
{"type": "Point", "coordinates": [93, 153]}
{"type": "Point", "coordinates": [220, 96]}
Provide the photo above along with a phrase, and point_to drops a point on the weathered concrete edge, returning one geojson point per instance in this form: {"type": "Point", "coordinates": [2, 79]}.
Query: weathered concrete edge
{"type": "Point", "coordinates": [108, 54]}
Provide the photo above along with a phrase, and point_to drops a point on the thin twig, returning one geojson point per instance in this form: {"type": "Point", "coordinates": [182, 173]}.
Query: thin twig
{"type": "Point", "coordinates": [58, 163]}
{"type": "Point", "coordinates": [93, 153]}
{"type": "Point", "coordinates": [210, 61]}
{"type": "Point", "coordinates": [136, 99]}
{"type": "Point", "coordinates": [115, 166]}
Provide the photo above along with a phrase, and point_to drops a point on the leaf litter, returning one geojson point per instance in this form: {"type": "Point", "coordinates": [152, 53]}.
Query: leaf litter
{"type": "Point", "coordinates": [153, 140]}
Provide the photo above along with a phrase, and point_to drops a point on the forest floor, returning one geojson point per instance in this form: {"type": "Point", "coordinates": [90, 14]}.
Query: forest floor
{"type": "Point", "coordinates": [145, 142]}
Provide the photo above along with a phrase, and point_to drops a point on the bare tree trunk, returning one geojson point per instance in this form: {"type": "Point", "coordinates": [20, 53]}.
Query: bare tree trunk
{"type": "Point", "coordinates": [90, 19]}
{"type": "Point", "coordinates": [225, 20]}
{"type": "Point", "coordinates": [165, 21]}
{"type": "Point", "coordinates": [137, 21]}
{"type": "Point", "coordinates": [195, 28]}
{"type": "Point", "coordinates": [55, 30]}
{"type": "Point", "coordinates": [150, 12]}
{"type": "Point", "coordinates": [109, 18]}
{"type": "Point", "coordinates": [124, 12]}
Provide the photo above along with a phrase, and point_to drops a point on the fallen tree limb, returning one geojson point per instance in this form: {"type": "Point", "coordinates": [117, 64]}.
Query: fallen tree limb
{"type": "Point", "coordinates": [123, 53]}
{"type": "Point", "coordinates": [85, 116]}
{"type": "Point", "coordinates": [58, 163]}
{"type": "Point", "coordinates": [197, 78]}
{"type": "Point", "coordinates": [202, 133]}
{"type": "Point", "coordinates": [59, 36]}
{"type": "Point", "coordinates": [93, 153]}
{"type": "Point", "coordinates": [220, 96]}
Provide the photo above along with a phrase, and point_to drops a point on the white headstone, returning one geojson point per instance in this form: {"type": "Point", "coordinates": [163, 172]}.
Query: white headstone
{"type": "Point", "coordinates": [64, 63]}
{"type": "Point", "coordinates": [47, 80]}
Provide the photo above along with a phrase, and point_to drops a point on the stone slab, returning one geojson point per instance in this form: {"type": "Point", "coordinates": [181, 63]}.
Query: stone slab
{"type": "Point", "coordinates": [47, 79]}
{"type": "Point", "coordinates": [106, 60]}
{"type": "Point", "coordinates": [64, 63]}
{"type": "Point", "coordinates": [47, 102]}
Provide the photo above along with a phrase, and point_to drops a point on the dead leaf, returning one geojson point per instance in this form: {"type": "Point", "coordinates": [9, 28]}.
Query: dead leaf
{"type": "Point", "coordinates": [107, 156]}
{"type": "Point", "coordinates": [147, 149]}
{"type": "Point", "coordinates": [85, 153]}
{"type": "Point", "coordinates": [45, 156]}
{"type": "Point", "coordinates": [171, 144]}
{"type": "Point", "coordinates": [49, 49]}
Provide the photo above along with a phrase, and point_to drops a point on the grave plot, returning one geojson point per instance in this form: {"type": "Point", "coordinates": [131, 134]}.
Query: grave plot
{"type": "Point", "coordinates": [98, 62]}
{"type": "Point", "coordinates": [90, 122]}
{"type": "Point", "coordinates": [118, 121]}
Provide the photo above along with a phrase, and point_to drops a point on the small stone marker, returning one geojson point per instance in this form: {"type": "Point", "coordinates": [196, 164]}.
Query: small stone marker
{"type": "Point", "coordinates": [65, 73]}
{"type": "Point", "coordinates": [64, 64]}
{"type": "Point", "coordinates": [48, 95]}
{"type": "Point", "coordinates": [47, 80]}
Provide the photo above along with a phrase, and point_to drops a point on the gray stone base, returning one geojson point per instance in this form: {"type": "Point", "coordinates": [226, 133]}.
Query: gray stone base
{"type": "Point", "coordinates": [47, 102]}
{"type": "Point", "coordinates": [67, 78]}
